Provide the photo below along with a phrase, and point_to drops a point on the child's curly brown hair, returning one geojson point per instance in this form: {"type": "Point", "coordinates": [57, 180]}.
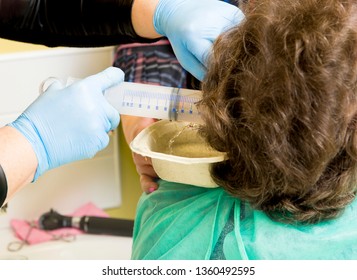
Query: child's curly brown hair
{"type": "Point", "coordinates": [280, 98]}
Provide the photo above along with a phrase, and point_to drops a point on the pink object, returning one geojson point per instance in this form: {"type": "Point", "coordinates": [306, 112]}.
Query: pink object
{"type": "Point", "coordinates": [31, 234]}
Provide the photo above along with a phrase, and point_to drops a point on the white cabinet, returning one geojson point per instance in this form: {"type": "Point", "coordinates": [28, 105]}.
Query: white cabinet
{"type": "Point", "coordinates": [22, 73]}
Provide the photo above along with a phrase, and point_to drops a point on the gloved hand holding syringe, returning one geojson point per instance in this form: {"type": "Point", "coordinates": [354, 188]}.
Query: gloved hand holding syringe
{"type": "Point", "coordinates": [151, 101]}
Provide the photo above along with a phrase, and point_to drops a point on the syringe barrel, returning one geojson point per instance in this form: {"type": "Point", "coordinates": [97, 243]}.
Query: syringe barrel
{"type": "Point", "coordinates": [143, 100]}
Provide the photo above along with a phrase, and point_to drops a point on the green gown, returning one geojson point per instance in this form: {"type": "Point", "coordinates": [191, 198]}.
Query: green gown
{"type": "Point", "coordinates": [186, 222]}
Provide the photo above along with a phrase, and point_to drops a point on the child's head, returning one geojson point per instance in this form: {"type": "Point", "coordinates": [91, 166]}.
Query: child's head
{"type": "Point", "coordinates": [280, 98]}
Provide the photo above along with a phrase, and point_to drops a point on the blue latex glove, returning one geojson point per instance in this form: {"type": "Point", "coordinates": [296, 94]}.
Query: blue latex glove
{"type": "Point", "coordinates": [191, 26]}
{"type": "Point", "coordinates": [72, 123]}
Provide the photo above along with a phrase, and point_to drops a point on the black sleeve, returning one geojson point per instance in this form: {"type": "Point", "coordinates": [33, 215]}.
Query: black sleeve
{"type": "Point", "coordinates": [3, 187]}
{"type": "Point", "coordinates": [72, 23]}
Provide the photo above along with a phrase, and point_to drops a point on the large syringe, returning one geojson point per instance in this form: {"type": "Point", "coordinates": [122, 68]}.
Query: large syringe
{"type": "Point", "coordinates": [143, 100]}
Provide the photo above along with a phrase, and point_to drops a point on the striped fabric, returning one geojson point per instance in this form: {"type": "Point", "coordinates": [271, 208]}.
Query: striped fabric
{"type": "Point", "coordinates": [153, 63]}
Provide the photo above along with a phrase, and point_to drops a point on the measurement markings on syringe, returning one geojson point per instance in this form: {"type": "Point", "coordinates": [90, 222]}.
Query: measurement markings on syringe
{"type": "Point", "coordinates": [157, 101]}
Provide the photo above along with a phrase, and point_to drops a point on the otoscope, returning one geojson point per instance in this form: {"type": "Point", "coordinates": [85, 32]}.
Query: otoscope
{"type": "Point", "coordinates": [89, 224]}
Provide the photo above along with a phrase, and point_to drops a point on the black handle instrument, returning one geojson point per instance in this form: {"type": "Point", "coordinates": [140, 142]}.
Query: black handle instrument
{"type": "Point", "coordinates": [89, 224]}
